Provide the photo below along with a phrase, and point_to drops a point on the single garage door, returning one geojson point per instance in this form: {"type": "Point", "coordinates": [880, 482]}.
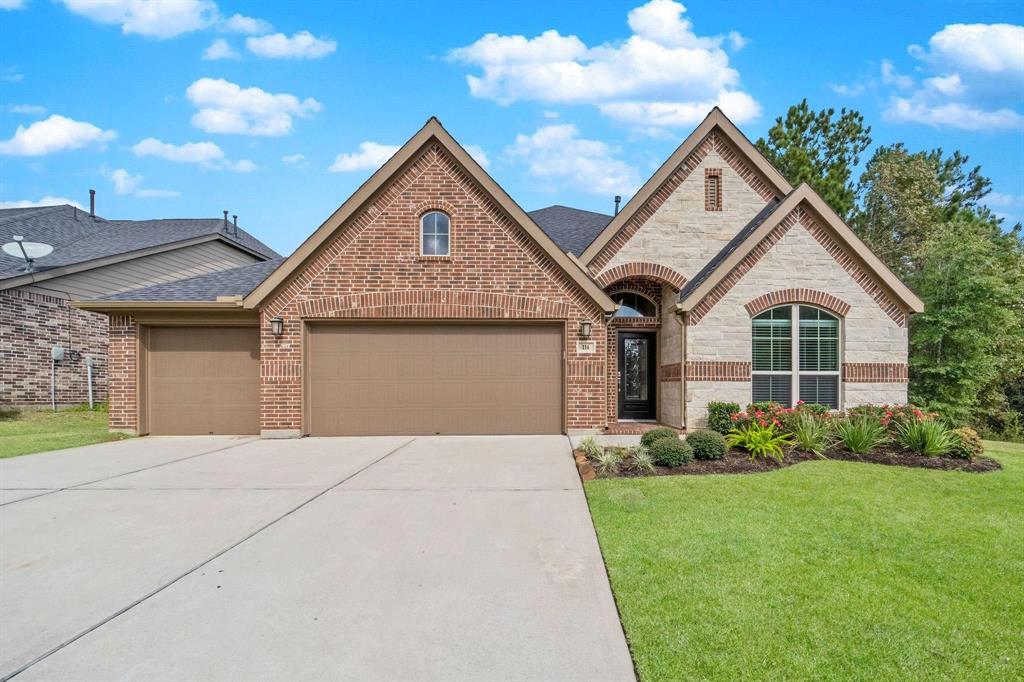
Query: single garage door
{"type": "Point", "coordinates": [408, 379]}
{"type": "Point", "coordinates": [203, 380]}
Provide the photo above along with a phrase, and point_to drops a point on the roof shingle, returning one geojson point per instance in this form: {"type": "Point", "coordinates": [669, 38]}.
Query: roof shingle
{"type": "Point", "coordinates": [233, 282]}
{"type": "Point", "coordinates": [572, 229]}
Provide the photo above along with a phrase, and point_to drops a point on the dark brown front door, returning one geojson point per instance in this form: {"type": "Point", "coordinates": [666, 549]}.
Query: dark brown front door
{"type": "Point", "coordinates": [637, 385]}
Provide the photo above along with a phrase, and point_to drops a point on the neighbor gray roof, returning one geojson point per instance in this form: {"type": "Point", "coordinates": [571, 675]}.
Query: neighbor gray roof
{"type": "Point", "coordinates": [733, 244]}
{"type": "Point", "coordinates": [78, 238]}
{"type": "Point", "coordinates": [234, 282]}
{"type": "Point", "coordinates": [571, 228]}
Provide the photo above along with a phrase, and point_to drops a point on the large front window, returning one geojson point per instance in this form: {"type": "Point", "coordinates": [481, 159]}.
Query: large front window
{"type": "Point", "coordinates": [790, 366]}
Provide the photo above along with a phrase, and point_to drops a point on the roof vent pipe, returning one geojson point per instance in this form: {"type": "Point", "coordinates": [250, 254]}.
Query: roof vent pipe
{"type": "Point", "coordinates": [234, 228]}
{"type": "Point", "coordinates": [618, 200]}
{"type": "Point", "coordinates": [226, 230]}
{"type": "Point", "coordinates": [92, 203]}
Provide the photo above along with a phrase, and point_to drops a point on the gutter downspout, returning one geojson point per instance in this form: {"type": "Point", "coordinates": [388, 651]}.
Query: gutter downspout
{"type": "Point", "coordinates": [682, 368]}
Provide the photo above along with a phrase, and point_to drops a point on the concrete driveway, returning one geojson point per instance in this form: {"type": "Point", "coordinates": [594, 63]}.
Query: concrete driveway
{"type": "Point", "coordinates": [321, 558]}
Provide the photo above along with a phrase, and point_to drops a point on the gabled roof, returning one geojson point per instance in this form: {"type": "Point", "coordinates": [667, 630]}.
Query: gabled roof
{"type": "Point", "coordinates": [714, 120]}
{"type": "Point", "coordinates": [571, 228]}
{"type": "Point", "coordinates": [752, 234]}
{"type": "Point", "coordinates": [232, 282]}
{"type": "Point", "coordinates": [82, 242]}
{"type": "Point", "coordinates": [431, 131]}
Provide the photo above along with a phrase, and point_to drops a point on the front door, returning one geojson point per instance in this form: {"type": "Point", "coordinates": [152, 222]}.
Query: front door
{"type": "Point", "coordinates": [637, 385]}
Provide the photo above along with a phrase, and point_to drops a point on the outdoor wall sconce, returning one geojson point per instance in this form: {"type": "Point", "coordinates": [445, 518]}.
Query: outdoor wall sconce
{"type": "Point", "coordinates": [276, 326]}
{"type": "Point", "coordinates": [586, 327]}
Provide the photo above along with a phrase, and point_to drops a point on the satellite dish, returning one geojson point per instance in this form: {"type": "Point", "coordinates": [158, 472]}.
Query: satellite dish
{"type": "Point", "coordinates": [20, 248]}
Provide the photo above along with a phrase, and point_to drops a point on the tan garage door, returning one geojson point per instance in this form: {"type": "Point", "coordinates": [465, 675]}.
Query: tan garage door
{"type": "Point", "coordinates": [203, 380]}
{"type": "Point", "coordinates": [409, 379]}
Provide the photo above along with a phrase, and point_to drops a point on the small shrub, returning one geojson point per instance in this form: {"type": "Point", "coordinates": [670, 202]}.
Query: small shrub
{"type": "Point", "coordinates": [720, 416]}
{"type": "Point", "coordinates": [707, 444]}
{"type": "Point", "coordinates": [968, 444]}
{"type": "Point", "coordinates": [860, 433]}
{"type": "Point", "coordinates": [810, 433]}
{"type": "Point", "coordinates": [589, 447]}
{"type": "Point", "coordinates": [929, 438]}
{"type": "Point", "coordinates": [891, 416]}
{"type": "Point", "coordinates": [764, 406]}
{"type": "Point", "coordinates": [640, 460]}
{"type": "Point", "coordinates": [671, 452]}
{"type": "Point", "coordinates": [813, 408]}
{"type": "Point", "coordinates": [760, 441]}
{"type": "Point", "coordinates": [608, 462]}
{"type": "Point", "coordinates": [648, 438]}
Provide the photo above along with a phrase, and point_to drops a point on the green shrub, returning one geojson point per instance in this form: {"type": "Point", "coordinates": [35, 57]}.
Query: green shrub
{"type": "Point", "coordinates": [589, 447]}
{"type": "Point", "coordinates": [608, 462]}
{"type": "Point", "coordinates": [768, 406]}
{"type": "Point", "coordinates": [720, 416]}
{"type": "Point", "coordinates": [860, 433]}
{"type": "Point", "coordinates": [968, 444]}
{"type": "Point", "coordinates": [671, 452]}
{"type": "Point", "coordinates": [928, 438]}
{"type": "Point", "coordinates": [810, 433]}
{"type": "Point", "coordinates": [760, 441]}
{"type": "Point", "coordinates": [640, 460]}
{"type": "Point", "coordinates": [657, 434]}
{"type": "Point", "coordinates": [707, 444]}
{"type": "Point", "coordinates": [813, 408]}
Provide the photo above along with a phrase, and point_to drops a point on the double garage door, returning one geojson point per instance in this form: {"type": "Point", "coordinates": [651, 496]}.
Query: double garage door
{"type": "Point", "coordinates": [365, 379]}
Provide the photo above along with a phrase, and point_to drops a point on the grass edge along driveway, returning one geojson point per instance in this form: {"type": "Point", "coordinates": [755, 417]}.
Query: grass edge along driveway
{"type": "Point", "coordinates": [28, 431]}
{"type": "Point", "coordinates": [823, 570]}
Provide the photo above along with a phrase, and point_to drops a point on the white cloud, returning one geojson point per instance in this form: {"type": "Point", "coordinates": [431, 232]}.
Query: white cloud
{"type": "Point", "coordinates": [29, 109]}
{"type": "Point", "coordinates": [848, 90]}
{"type": "Point", "coordinates": [148, 17]}
{"type": "Point", "coordinates": [989, 48]}
{"type": "Point", "coordinates": [662, 67]}
{"type": "Point", "coordinates": [190, 152]}
{"type": "Point", "coordinates": [296, 160]}
{"type": "Point", "coordinates": [55, 134]}
{"type": "Point", "coordinates": [220, 49]}
{"type": "Point", "coordinates": [206, 154]}
{"type": "Point", "coordinates": [10, 74]}
{"type": "Point", "coordinates": [971, 78]}
{"type": "Point", "coordinates": [737, 41]}
{"type": "Point", "coordinates": [238, 23]}
{"type": "Point", "coordinates": [478, 153]}
{"type": "Point", "coordinates": [559, 157]}
{"type": "Point", "coordinates": [225, 107]}
{"type": "Point", "coordinates": [951, 115]}
{"type": "Point", "coordinates": [1002, 200]}
{"type": "Point", "coordinates": [371, 156]}
{"type": "Point", "coordinates": [127, 184]}
{"type": "Point", "coordinates": [48, 200]}
{"type": "Point", "coordinates": [302, 45]}
{"type": "Point", "coordinates": [12, 4]}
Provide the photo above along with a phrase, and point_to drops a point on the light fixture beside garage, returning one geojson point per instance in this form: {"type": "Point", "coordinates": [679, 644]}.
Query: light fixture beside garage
{"type": "Point", "coordinates": [276, 326]}
{"type": "Point", "coordinates": [586, 327]}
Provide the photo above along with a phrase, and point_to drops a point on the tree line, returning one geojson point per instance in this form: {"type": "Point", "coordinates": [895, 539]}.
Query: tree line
{"type": "Point", "coordinates": [921, 212]}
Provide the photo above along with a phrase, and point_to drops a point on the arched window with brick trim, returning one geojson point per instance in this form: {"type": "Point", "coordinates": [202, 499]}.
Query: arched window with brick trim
{"type": "Point", "coordinates": [435, 228]}
{"type": "Point", "coordinates": [796, 356]}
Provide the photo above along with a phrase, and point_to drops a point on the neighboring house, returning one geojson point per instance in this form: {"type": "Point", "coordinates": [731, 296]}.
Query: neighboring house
{"type": "Point", "coordinates": [429, 302]}
{"type": "Point", "coordinates": [92, 258]}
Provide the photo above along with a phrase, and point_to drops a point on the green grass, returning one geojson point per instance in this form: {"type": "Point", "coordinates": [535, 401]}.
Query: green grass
{"type": "Point", "coordinates": [31, 431]}
{"type": "Point", "coordinates": [823, 570]}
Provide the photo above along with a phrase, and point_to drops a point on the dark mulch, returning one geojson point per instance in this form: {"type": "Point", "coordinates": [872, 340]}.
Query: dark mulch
{"type": "Point", "coordinates": [739, 462]}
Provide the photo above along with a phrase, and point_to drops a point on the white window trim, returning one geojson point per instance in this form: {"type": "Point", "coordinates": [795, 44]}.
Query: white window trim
{"type": "Point", "coordinates": [657, 308]}
{"type": "Point", "coordinates": [423, 217]}
{"type": "Point", "coordinates": [794, 333]}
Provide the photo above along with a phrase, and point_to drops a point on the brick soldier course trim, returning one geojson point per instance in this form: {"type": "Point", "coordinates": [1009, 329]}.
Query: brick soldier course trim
{"type": "Point", "coordinates": [810, 296]}
{"type": "Point", "coordinates": [876, 372]}
{"type": "Point", "coordinates": [717, 370]}
{"type": "Point", "coordinates": [662, 273]}
{"type": "Point", "coordinates": [671, 372]}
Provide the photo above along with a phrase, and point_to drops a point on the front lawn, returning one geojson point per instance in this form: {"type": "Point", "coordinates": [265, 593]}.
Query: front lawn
{"type": "Point", "coordinates": [29, 431]}
{"type": "Point", "coordinates": [824, 570]}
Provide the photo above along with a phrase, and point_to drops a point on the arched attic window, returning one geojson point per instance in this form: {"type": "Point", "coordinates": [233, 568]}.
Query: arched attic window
{"type": "Point", "coordinates": [788, 367]}
{"type": "Point", "coordinates": [632, 304]}
{"type": "Point", "coordinates": [435, 234]}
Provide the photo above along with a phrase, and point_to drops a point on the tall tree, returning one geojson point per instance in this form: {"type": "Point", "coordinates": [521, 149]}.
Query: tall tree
{"type": "Point", "coordinates": [819, 149]}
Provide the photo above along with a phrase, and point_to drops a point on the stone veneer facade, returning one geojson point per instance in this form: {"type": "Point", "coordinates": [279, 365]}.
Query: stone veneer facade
{"type": "Point", "coordinates": [30, 325]}
{"type": "Point", "coordinates": [798, 262]}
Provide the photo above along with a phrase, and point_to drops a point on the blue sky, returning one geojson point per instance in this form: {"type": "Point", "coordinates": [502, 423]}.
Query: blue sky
{"type": "Point", "coordinates": [278, 111]}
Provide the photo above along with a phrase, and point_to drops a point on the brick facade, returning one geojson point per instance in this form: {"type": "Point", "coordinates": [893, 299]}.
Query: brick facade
{"type": "Point", "coordinates": [30, 325]}
{"type": "Point", "coordinates": [123, 380]}
{"type": "Point", "coordinates": [371, 269]}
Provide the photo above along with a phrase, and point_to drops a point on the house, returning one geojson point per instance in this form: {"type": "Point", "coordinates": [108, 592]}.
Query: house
{"type": "Point", "coordinates": [430, 302]}
{"type": "Point", "coordinates": [91, 258]}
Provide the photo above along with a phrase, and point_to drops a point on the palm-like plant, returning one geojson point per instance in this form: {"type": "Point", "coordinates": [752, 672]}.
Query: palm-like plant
{"type": "Point", "coordinates": [762, 442]}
